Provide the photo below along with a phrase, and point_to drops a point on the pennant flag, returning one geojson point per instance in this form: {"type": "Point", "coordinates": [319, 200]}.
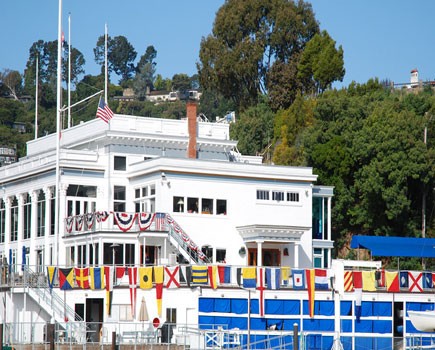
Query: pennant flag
{"type": "Point", "coordinates": [285, 273]}
{"type": "Point", "coordinates": [368, 278]}
{"type": "Point", "coordinates": [224, 274]}
{"type": "Point", "coordinates": [403, 279]}
{"type": "Point", "coordinates": [358, 286]}
{"type": "Point", "coordinates": [146, 277]}
{"type": "Point", "coordinates": [261, 287]}
{"type": "Point", "coordinates": [132, 281]}
{"type": "Point", "coordinates": [310, 275]}
{"type": "Point", "coordinates": [158, 279]}
{"type": "Point", "coordinates": [212, 276]}
{"type": "Point", "coordinates": [348, 281]}
{"type": "Point", "coordinates": [415, 281]}
{"type": "Point", "coordinates": [185, 274]}
{"type": "Point", "coordinates": [249, 275]}
{"type": "Point", "coordinates": [51, 273]}
{"type": "Point", "coordinates": [66, 279]}
{"type": "Point", "coordinates": [103, 111]}
{"type": "Point", "coordinates": [97, 277]}
{"type": "Point", "coordinates": [273, 277]}
{"type": "Point", "coordinates": [392, 281]}
{"type": "Point", "coordinates": [298, 278]}
{"type": "Point", "coordinates": [321, 279]}
{"type": "Point", "coordinates": [119, 273]}
{"type": "Point", "coordinates": [82, 277]}
{"type": "Point", "coordinates": [108, 276]}
{"type": "Point", "coordinates": [427, 280]}
{"type": "Point", "coordinates": [199, 275]}
{"type": "Point", "coordinates": [172, 277]}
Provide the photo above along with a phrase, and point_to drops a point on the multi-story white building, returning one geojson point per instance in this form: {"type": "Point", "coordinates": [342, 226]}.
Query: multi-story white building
{"type": "Point", "coordinates": [144, 191]}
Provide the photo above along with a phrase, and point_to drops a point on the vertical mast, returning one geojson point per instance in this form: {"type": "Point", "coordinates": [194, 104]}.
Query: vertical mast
{"type": "Point", "coordinates": [58, 130]}
{"type": "Point", "coordinates": [36, 96]}
{"type": "Point", "coordinates": [69, 70]}
{"type": "Point", "coordinates": [105, 65]}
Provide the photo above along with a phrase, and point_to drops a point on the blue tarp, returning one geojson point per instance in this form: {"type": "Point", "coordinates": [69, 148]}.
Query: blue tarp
{"type": "Point", "coordinates": [396, 246]}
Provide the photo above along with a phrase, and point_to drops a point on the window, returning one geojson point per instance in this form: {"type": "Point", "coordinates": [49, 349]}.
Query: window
{"type": "Point", "coordinates": [171, 315]}
{"type": "Point", "coordinates": [208, 252]}
{"type": "Point", "coordinates": [277, 196]}
{"type": "Point", "coordinates": [262, 195]}
{"type": "Point", "coordinates": [14, 219]}
{"type": "Point", "coordinates": [221, 255]}
{"type": "Point", "coordinates": [125, 313]}
{"type": "Point", "coordinates": [292, 196]}
{"type": "Point", "coordinates": [40, 215]}
{"type": "Point", "coordinates": [192, 205]}
{"type": "Point", "coordinates": [221, 207]}
{"type": "Point", "coordinates": [145, 199]}
{"type": "Point", "coordinates": [119, 198]}
{"type": "Point", "coordinates": [119, 163]}
{"type": "Point", "coordinates": [178, 205]}
{"type": "Point", "coordinates": [207, 206]}
{"type": "Point", "coordinates": [27, 217]}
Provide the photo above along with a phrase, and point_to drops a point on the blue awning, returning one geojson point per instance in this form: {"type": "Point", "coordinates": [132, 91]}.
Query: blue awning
{"type": "Point", "coordinates": [396, 246]}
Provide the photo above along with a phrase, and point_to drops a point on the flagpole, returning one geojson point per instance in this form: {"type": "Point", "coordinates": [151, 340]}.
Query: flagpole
{"type": "Point", "coordinates": [58, 129]}
{"type": "Point", "coordinates": [69, 69]}
{"type": "Point", "coordinates": [105, 65]}
{"type": "Point", "coordinates": [36, 96]}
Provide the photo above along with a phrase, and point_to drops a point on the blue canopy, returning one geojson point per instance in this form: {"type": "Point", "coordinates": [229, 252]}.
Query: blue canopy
{"type": "Point", "coordinates": [396, 246]}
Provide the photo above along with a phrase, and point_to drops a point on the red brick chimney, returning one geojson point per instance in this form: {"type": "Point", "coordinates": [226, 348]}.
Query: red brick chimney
{"type": "Point", "coordinates": [191, 128]}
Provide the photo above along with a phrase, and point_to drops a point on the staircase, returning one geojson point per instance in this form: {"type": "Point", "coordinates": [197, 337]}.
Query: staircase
{"type": "Point", "coordinates": [184, 245]}
{"type": "Point", "coordinates": [36, 287]}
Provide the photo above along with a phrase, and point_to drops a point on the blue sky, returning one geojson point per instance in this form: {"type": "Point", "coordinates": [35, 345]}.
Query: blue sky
{"type": "Point", "coordinates": [384, 39]}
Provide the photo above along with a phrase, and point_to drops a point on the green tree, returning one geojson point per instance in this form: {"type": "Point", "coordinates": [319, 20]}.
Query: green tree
{"type": "Point", "coordinates": [181, 82]}
{"type": "Point", "coordinates": [248, 36]}
{"type": "Point", "coordinates": [162, 84]}
{"type": "Point", "coordinates": [321, 63]}
{"type": "Point", "coordinates": [145, 73]}
{"type": "Point", "coordinates": [254, 129]}
{"type": "Point", "coordinates": [120, 56]}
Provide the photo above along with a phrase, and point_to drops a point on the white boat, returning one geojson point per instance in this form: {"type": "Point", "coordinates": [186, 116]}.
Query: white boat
{"type": "Point", "coordinates": [424, 321]}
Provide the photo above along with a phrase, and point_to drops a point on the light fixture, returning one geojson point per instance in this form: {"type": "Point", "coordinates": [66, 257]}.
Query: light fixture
{"type": "Point", "coordinates": [165, 179]}
{"type": "Point", "coordinates": [180, 205]}
{"type": "Point", "coordinates": [242, 251]}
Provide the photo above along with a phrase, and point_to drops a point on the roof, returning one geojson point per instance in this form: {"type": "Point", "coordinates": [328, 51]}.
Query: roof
{"type": "Point", "coordinates": [396, 246]}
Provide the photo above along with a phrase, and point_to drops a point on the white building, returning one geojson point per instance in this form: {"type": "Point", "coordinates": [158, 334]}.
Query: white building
{"type": "Point", "coordinates": [236, 210]}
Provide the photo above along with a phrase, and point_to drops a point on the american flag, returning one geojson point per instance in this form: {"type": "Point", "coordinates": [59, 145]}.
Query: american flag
{"type": "Point", "coordinates": [160, 221]}
{"type": "Point", "coordinates": [103, 111]}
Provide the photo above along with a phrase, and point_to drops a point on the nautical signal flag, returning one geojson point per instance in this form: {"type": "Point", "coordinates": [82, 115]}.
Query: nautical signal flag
{"type": "Point", "coordinates": [66, 278]}
{"type": "Point", "coordinates": [273, 277]}
{"type": "Point", "coordinates": [199, 275]}
{"type": "Point", "coordinates": [212, 276]}
{"type": "Point", "coordinates": [392, 281]}
{"type": "Point", "coordinates": [172, 277]}
{"type": "Point", "coordinates": [358, 285]}
{"type": "Point", "coordinates": [298, 278]}
{"type": "Point", "coordinates": [427, 280]}
{"type": "Point", "coordinates": [186, 274]}
{"type": "Point", "coordinates": [249, 275]}
{"type": "Point", "coordinates": [261, 286]}
{"type": "Point", "coordinates": [97, 277]}
{"type": "Point", "coordinates": [82, 277]}
{"type": "Point", "coordinates": [415, 281]}
{"type": "Point", "coordinates": [310, 275]}
{"type": "Point", "coordinates": [159, 279]}
{"type": "Point", "coordinates": [403, 279]}
{"type": "Point", "coordinates": [145, 277]}
{"type": "Point", "coordinates": [348, 281]}
{"type": "Point", "coordinates": [51, 273]}
{"type": "Point", "coordinates": [321, 279]}
{"type": "Point", "coordinates": [103, 111]}
{"type": "Point", "coordinates": [132, 282]}
{"type": "Point", "coordinates": [224, 274]}
{"type": "Point", "coordinates": [109, 277]}
{"type": "Point", "coordinates": [369, 284]}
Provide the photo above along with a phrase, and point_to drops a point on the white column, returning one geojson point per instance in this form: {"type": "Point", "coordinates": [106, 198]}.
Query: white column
{"type": "Point", "coordinates": [296, 254]}
{"type": "Point", "coordinates": [144, 245]}
{"type": "Point", "coordinates": [33, 228]}
{"type": "Point", "coordinates": [46, 256]}
{"type": "Point", "coordinates": [260, 253]}
{"type": "Point", "coordinates": [19, 258]}
{"type": "Point", "coordinates": [8, 202]}
{"type": "Point", "coordinates": [329, 231]}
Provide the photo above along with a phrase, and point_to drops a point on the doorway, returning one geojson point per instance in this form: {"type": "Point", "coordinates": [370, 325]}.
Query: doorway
{"type": "Point", "coordinates": [94, 319]}
{"type": "Point", "coordinates": [270, 257]}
